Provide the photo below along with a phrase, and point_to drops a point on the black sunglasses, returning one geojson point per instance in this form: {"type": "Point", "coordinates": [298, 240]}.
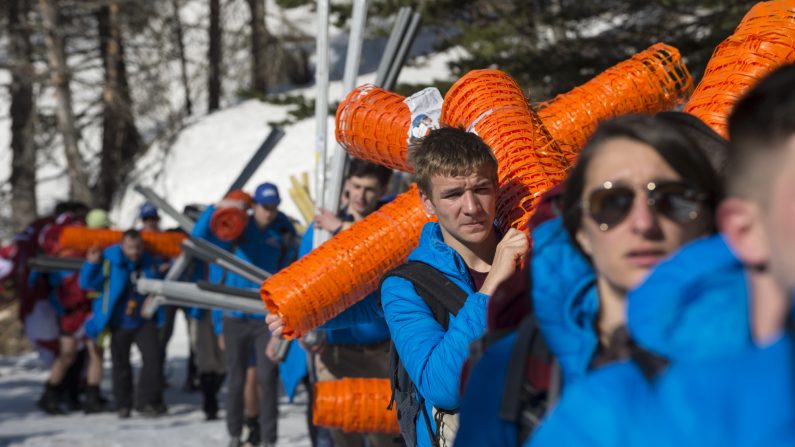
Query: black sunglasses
{"type": "Point", "coordinates": [609, 205]}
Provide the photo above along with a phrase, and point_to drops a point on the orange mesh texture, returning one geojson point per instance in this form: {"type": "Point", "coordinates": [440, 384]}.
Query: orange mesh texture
{"type": "Point", "coordinates": [355, 406]}
{"type": "Point", "coordinates": [228, 223]}
{"type": "Point", "coordinates": [165, 243]}
{"type": "Point", "coordinates": [373, 124]}
{"type": "Point", "coordinates": [342, 271]}
{"type": "Point", "coordinates": [651, 81]}
{"type": "Point", "coordinates": [764, 40]}
{"type": "Point", "coordinates": [529, 160]}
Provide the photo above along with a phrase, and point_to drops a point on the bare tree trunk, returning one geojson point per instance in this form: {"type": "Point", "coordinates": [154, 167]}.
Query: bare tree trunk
{"type": "Point", "coordinates": [259, 43]}
{"type": "Point", "coordinates": [23, 149]}
{"type": "Point", "coordinates": [178, 35]}
{"type": "Point", "coordinates": [214, 88]}
{"type": "Point", "coordinates": [120, 138]}
{"type": "Point", "coordinates": [60, 79]}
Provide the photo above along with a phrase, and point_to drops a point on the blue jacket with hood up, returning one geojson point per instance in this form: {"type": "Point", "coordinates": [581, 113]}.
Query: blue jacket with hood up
{"type": "Point", "coordinates": [432, 356]}
{"type": "Point", "coordinates": [720, 389]}
{"type": "Point", "coordinates": [565, 303]}
{"type": "Point", "coordinates": [116, 268]}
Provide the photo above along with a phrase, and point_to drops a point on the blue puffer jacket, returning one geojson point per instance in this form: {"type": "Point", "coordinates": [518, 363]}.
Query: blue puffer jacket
{"type": "Point", "coordinates": [432, 357]}
{"type": "Point", "coordinates": [270, 249]}
{"type": "Point", "coordinates": [565, 300]}
{"type": "Point", "coordinates": [117, 268]}
{"type": "Point", "coordinates": [720, 389]}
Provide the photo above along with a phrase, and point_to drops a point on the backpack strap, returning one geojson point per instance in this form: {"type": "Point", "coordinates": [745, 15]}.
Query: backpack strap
{"type": "Point", "coordinates": [439, 293]}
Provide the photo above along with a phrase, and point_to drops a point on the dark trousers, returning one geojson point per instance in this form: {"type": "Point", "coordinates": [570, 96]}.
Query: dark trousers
{"type": "Point", "coordinates": [240, 337]}
{"type": "Point", "coordinates": [150, 378]}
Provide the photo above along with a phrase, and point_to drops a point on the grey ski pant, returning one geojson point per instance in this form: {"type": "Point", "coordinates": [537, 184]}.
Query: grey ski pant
{"type": "Point", "coordinates": [240, 337]}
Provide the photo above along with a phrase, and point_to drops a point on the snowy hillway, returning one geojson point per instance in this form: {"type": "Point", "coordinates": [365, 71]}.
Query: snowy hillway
{"type": "Point", "coordinates": [201, 164]}
{"type": "Point", "coordinates": [22, 424]}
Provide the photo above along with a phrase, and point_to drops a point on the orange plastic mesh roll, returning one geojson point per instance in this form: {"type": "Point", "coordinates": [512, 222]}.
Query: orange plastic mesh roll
{"type": "Point", "coordinates": [653, 80]}
{"type": "Point", "coordinates": [529, 160]}
{"type": "Point", "coordinates": [373, 124]}
{"type": "Point", "coordinates": [228, 223]}
{"type": "Point", "coordinates": [347, 267]}
{"type": "Point", "coordinates": [355, 406]}
{"type": "Point", "coordinates": [764, 40]}
{"type": "Point", "coordinates": [164, 243]}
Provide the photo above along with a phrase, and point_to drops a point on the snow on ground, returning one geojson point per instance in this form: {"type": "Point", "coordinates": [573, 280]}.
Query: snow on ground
{"type": "Point", "coordinates": [22, 424]}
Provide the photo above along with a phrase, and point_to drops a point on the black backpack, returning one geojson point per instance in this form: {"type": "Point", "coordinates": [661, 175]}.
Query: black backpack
{"type": "Point", "coordinates": [443, 297]}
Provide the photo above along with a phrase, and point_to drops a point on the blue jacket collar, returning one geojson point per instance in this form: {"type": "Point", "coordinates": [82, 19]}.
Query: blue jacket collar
{"type": "Point", "coordinates": [433, 251]}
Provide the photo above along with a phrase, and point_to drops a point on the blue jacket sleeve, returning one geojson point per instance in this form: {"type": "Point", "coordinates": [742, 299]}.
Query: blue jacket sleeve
{"type": "Point", "coordinates": [365, 311]}
{"type": "Point", "coordinates": [91, 276]}
{"type": "Point", "coordinates": [218, 321]}
{"type": "Point", "coordinates": [432, 357]}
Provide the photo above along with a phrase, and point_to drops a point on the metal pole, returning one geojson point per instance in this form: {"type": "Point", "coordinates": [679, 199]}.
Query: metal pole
{"type": "Point", "coordinates": [54, 264]}
{"type": "Point", "coordinates": [321, 103]}
{"type": "Point", "coordinates": [403, 52]}
{"type": "Point", "coordinates": [340, 156]}
{"type": "Point", "coordinates": [183, 221]}
{"type": "Point", "coordinates": [259, 156]}
{"type": "Point", "coordinates": [190, 294]}
{"type": "Point", "coordinates": [392, 44]}
{"type": "Point", "coordinates": [226, 260]}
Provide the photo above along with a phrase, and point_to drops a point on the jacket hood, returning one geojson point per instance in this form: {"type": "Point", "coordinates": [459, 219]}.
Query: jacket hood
{"type": "Point", "coordinates": [694, 305]}
{"type": "Point", "coordinates": [433, 251]}
{"type": "Point", "coordinates": [564, 297]}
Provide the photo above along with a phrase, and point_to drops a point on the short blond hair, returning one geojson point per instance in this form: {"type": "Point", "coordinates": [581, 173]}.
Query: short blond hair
{"type": "Point", "coordinates": [450, 152]}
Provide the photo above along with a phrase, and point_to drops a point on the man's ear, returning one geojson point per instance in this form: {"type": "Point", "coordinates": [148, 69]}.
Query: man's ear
{"type": "Point", "coordinates": [739, 221]}
{"type": "Point", "coordinates": [427, 204]}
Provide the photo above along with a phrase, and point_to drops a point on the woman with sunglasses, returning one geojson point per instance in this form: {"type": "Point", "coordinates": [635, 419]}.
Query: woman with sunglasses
{"type": "Point", "coordinates": [642, 188]}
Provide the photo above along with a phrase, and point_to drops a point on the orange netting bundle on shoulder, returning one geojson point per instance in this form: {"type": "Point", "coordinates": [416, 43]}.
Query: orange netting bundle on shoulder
{"type": "Point", "coordinates": [373, 124]}
{"type": "Point", "coordinates": [653, 80]}
{"type": "Point", "coordinates": [346, 268]}
{"type": "Point", "coordinates": [491, 103]}
{"type": "Point", "coordinates": [355, 406]}
{"type": "Point", "coordinates": [764, 40]}
{"type": "Point", "coordinates": [164, 243]}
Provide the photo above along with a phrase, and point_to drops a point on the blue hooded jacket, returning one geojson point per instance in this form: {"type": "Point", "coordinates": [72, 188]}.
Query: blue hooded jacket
{"type": "Point", "coordinates": [116, 268]}
{"type": "Point", "coordinates": [270, 249]}
{"type": "Point", "coordinates": [565, 303]}
{"type": "Point", "coordinates": [432, 356]}
{"type": "Point", "coordinates": [719, 390]}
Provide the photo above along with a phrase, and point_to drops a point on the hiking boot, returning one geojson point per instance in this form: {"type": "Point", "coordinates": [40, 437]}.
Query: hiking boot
{"type": "Point", "coordinates": [124, 412]}
{"type": "Point", "coordinates": [153, 410]}
{"type": "Point", "coordinates": [94, 402]}
{"type": "Point", "coordinates": [49, 401]}
{"type": "Point", "coordinates": [254, 436]}
{"type": "Point", "coordinates": [209, 387]}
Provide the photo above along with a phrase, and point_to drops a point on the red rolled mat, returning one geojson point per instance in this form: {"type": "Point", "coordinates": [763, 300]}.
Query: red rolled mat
{"type": "Point", "coordinates": [764, 40]}
{"type": "Point", "coordinates": [355, 406]}
{"type": "Point", "coordinates": [228, 223]}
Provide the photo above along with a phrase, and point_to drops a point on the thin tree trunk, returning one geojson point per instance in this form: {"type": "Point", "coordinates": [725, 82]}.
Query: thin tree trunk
{"type": "Point", "coordinates": [214, 88]}
{"type": "Point", "coordinates": [60, 79]}
{"type": "Point", "coordinates": [120, 138]}
{"type": "Point", "coordinates": [182, 61]}
{"type": "Point", "coordinates": [23, 149]}
{"type": "Point", "coordinates": [259, 42]}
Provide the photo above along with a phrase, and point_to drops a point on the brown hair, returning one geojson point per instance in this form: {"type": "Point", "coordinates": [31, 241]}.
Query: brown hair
{"type": "Point", "coordinates": [450, 152]}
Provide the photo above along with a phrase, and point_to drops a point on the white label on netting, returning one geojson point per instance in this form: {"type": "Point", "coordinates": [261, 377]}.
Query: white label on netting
{"type": "Point", "coordinates": [425, 107]}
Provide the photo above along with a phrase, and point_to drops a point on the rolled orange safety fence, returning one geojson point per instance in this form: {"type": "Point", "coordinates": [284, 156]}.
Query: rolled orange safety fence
{"type": "Point", "coordinates": [373, 124]}
{"type": "Point", "coordinates": [529, 160]}
{"type": "Point", "coordinates": [764, 40]}
{"type": "Point", "coordinates": [355, 406]}
{"type": "Point", "coordinates": [227, 224]}
{"type": "Point", "coordinates": [653, 80]}
{"type": "Point", "coordinates": [346, 268]}
{"type": "Point", "coordinates": [164, 243]}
